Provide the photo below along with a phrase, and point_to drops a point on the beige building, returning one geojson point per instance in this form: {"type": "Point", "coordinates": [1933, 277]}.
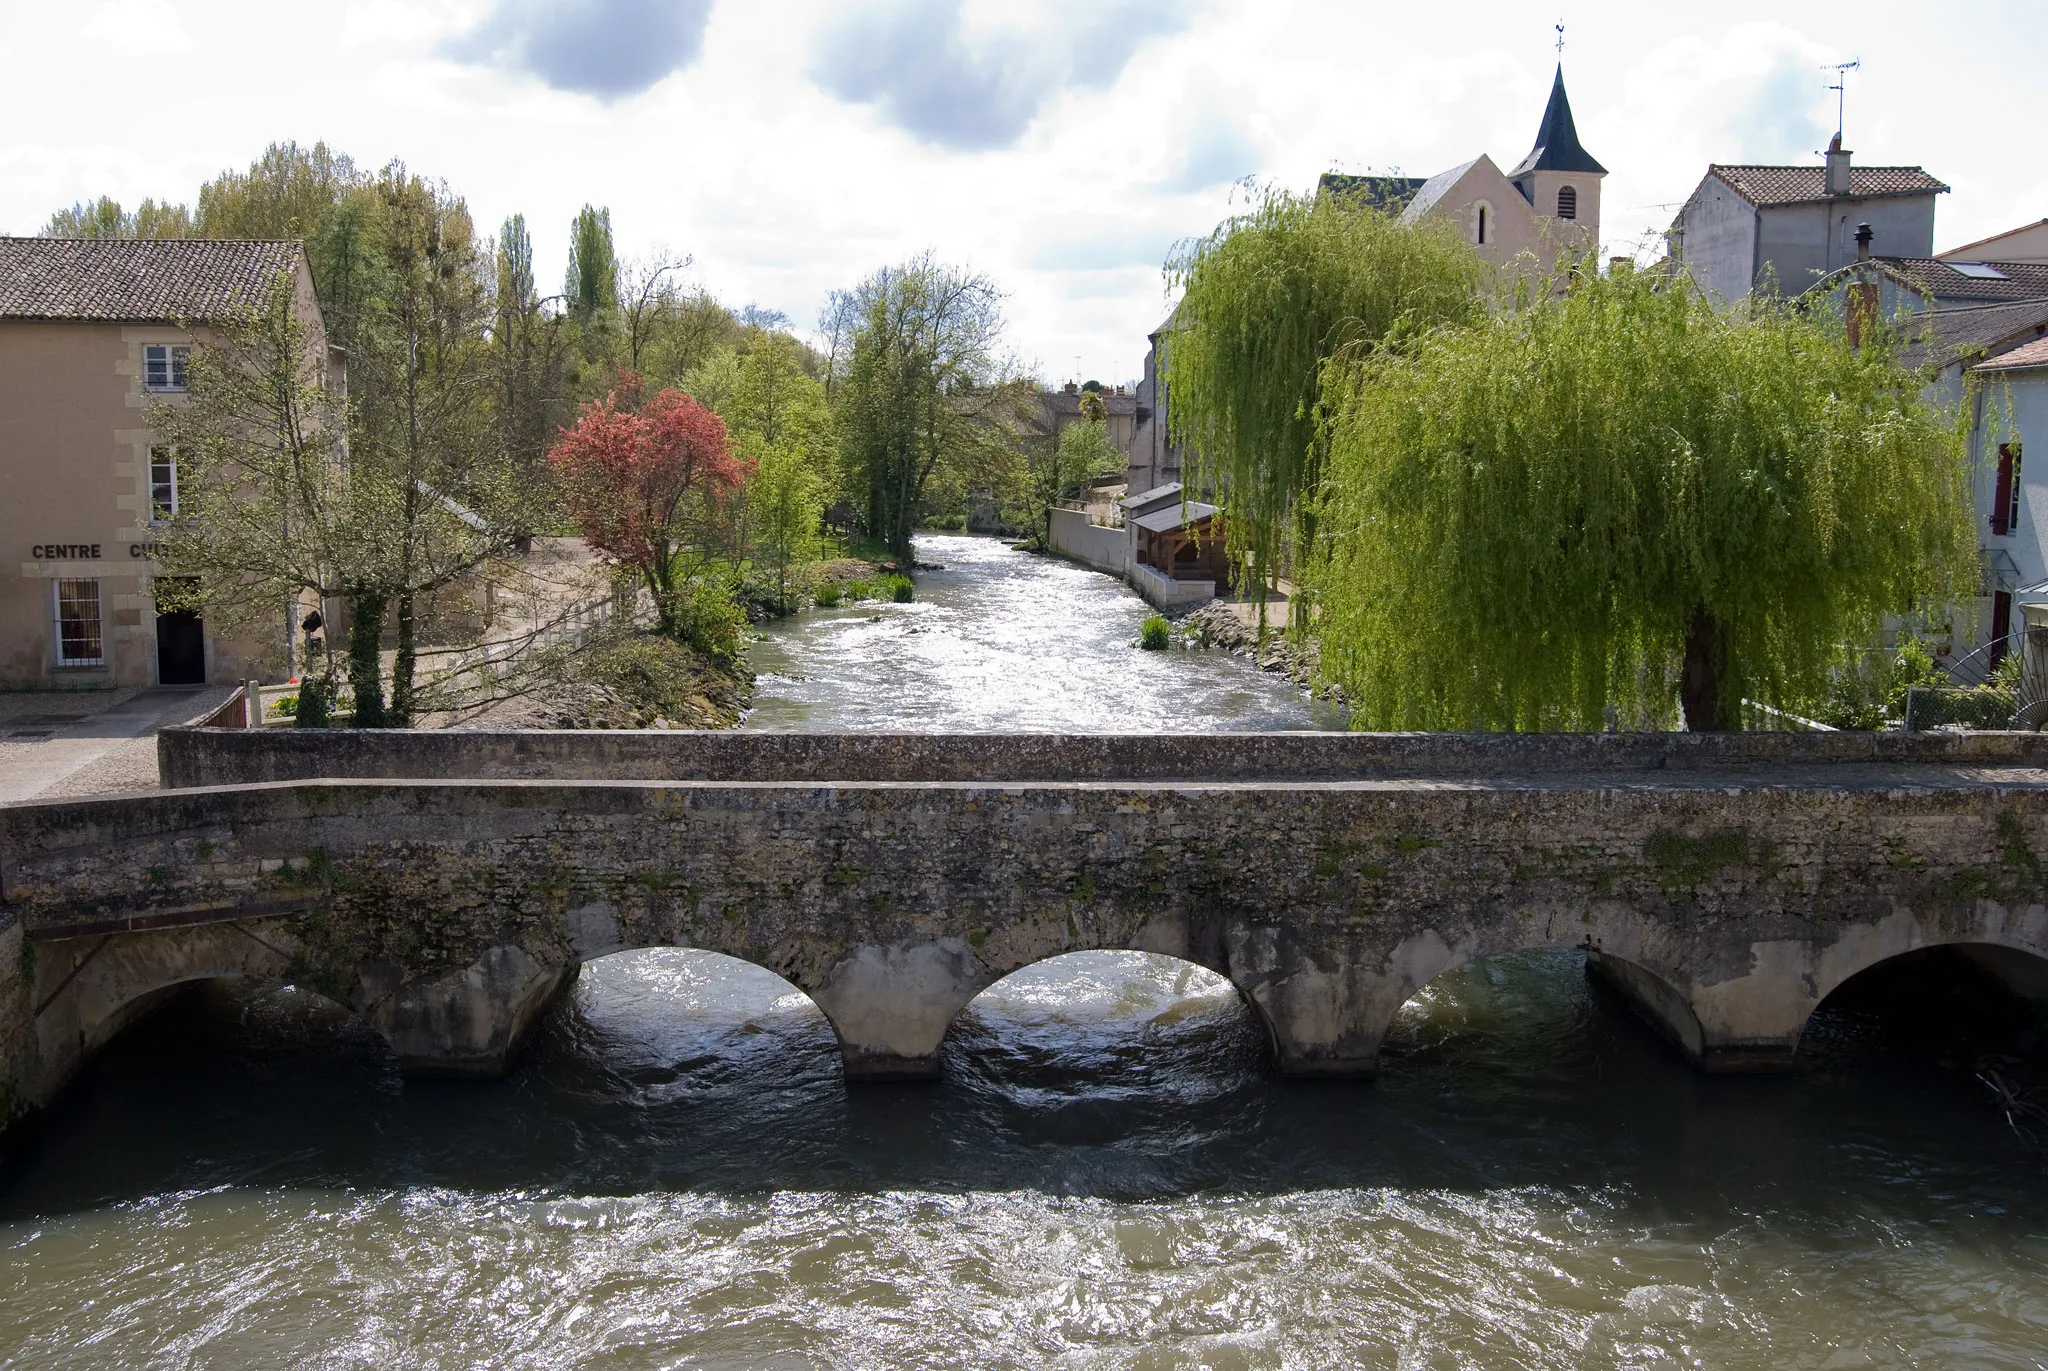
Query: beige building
{"type": "Point", "coordinates": [92, 334]}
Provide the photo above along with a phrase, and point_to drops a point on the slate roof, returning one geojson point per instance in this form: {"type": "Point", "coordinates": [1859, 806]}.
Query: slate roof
{"type": "Point", "coordinates": [2034, 354]}
{"type": "Point", "coordinates": [1797, 185]}
{"type": "Point", "coordinates": [1932, 276]}
{"type": "Point", "coordinates": [1434, 189]}
{"type": "Point", "coordinates": [1172, 517]}
{"type": "Point", "coordinates": [135, 279]}
{"type": "Point", "coordinates": [1941, 336]}
{"type": "Point", "coordinates": [1557, 139]}
{"type": "Point", "coordinates": [1153, 498]}
{"type": "Point", "coordinates": [1389, 194]}
{"type": "Point", "coordinates": [1059, 402]}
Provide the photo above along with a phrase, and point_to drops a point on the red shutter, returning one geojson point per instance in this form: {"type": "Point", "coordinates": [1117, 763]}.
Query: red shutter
{"type": "Point", "coordinates": [2001, 500]}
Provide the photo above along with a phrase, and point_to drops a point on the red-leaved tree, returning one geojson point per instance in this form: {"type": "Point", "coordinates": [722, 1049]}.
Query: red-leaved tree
{"type": "Point", "coordinates": [649, 480]}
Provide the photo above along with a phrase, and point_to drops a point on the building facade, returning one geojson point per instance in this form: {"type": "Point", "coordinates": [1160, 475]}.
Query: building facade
{"type": "Point", "coordinates": [93, 334]}
{"type": "Point", "coordinates": [1784, 228]}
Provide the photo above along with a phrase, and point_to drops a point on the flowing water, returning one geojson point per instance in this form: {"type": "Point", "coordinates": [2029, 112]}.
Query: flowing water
{"type": "Point", "coordinates": [1106, 1176]}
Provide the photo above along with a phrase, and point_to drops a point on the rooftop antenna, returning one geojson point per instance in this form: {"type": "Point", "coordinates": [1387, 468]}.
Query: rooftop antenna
{"type": "Point", "coordinates": [1841, 89]}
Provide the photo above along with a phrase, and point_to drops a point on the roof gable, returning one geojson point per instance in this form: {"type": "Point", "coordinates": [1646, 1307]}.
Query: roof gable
{"type": "Point", "coordinates": [1761, 185]}
{"type": "Point", "coordinates": [2033, 355]}
{"type": "Point", "coordinates": [1557, 139]}
{"type": "Point", "coordinates": [136, 279]}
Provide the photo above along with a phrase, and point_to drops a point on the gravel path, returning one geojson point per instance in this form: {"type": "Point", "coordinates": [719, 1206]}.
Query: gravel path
{"type": "Point", "coordinates": [68, 745]}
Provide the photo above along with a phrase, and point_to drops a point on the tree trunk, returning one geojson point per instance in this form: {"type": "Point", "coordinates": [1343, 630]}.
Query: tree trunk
{"type": "Point", "coordinates": [1701, 680]}
{"type": "Point", "coordinates": [402, 665]}
{"type": "Point", "coordinates": [365, 658]}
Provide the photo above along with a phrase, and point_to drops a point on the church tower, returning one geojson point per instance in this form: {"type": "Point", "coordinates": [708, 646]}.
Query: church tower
{"type": "Point", "coordinates": [1559, 178]}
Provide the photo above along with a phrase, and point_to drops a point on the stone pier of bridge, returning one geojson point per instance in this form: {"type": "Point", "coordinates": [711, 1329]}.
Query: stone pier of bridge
{"type": "Point", "coordinates": [446, 886]}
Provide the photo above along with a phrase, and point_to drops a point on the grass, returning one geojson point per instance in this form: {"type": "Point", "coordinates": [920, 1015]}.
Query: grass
{"type": "Point", "coordinates": [1155, 634]}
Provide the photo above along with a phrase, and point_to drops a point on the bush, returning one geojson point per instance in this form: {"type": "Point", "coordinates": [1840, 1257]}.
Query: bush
{"type": "Point", "coordinates": [708, 618]}
{"type": "Point", "coordinates": [829, 595]}
{"type": "Point", "coordinates": [857, 591]}
{"type": "Point", "coordinates": [315, 703]}
{"type": "Point", "coordinates": [1156, 634]}
{"type": "Point", "coordinates": [899, 588]}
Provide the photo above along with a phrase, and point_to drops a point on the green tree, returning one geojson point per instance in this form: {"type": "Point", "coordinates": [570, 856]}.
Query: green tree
{"type": "Point", "coordinates": [1082, 453]}
{"type": "Point", "coordinates": [104, 218]}
{"type": "Point", "coordinates": [923, 386]}
{"type": "Point", "coordinates": [1267, 299]}
{"type": "Point", "coordinates": [785, 501]}
{"type": "Point", "coordinates": [592, 286]}
{"type": "Point", "coordinates": [1617, 496]}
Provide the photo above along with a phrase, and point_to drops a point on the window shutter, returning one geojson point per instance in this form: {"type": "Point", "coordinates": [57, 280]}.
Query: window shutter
{"type": "Point", "coordinates": [2001, 499]}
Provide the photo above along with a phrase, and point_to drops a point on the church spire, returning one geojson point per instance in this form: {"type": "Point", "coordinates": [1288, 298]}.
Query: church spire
{"type": "Point", "coordinates": [1557, 139]}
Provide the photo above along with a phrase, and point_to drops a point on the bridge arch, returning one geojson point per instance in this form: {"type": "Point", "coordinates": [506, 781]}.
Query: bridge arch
{"type": "Point", "coordinates": [2016, 964]}
{"type": "Point", "coordinates": [86, 991]}
{"type": "Point", "coordinates": [721, 988]}
{"type": "Point", "coordinates": [1118, 997]}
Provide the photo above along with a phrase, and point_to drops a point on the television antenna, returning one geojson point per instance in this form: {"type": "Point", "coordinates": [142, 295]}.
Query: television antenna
{"type": "Point", "coordinates": [1840, 87]}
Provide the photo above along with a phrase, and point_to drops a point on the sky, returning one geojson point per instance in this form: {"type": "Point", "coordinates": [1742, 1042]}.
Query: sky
{"type": "Point", "coordinates": [790, 147]}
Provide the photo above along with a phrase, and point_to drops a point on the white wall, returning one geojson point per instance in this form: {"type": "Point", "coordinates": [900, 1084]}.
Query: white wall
{"type": "Point", "coordinates": [1072, 535]}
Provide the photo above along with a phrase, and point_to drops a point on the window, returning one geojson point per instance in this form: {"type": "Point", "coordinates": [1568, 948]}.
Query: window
{"type": "Point", "coordinates": [163, 366]}
{"type": "Point", "coordinates": [78, 624]}
{"type": "Point", "coordinates": [163, 484]}
{"type": "Point", "coordinates": [2005, 499]}
{"type": "Point", "coordinates": [1567, 203]}
{"type": "Point", "coordinates": [1482, 227]}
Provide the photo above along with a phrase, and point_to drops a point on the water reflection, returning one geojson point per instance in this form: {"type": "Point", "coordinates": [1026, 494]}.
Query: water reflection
{"type": "Point", "coordinates": [1107, 1175]}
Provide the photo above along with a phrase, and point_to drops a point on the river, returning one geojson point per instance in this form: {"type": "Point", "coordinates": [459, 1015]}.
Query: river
{"type": "Point", "coordinates": [1106, 1176]}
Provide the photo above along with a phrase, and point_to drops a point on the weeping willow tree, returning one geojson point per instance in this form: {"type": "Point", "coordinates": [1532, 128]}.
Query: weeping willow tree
{"type": "Point", "coordinates": [1616, 497]}
{"type": "Point", "coordinates": [1266, 300]}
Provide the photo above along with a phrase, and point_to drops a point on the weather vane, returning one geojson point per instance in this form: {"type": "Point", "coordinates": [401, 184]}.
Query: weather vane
{"type": "Point", "coordinates": [1560, 38]}
{"type": "Point", "coordinates": [1841, 89]}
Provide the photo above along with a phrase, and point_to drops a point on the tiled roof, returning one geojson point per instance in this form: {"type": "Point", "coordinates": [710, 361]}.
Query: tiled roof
{"type": "Point", "coordinates": [1794, 185]}
{"type": "Point", "coordinates": [1932, 276]}
{"type": "Point", "coordinates": [2034, 354]}
{"type": "Point", "coordinates": [1941, 336]}
{"type": "Point", "coordinates": [1434, 189]}
{"type": "Point", "coordinates": [135, 279]}
{"type": "Point", "coordinates": [1060, 402]}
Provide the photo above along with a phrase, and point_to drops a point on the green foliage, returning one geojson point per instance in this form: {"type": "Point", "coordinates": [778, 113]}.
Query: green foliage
{"type": "Point", "coordinates": [591, 287]}
{"type": "Point", "coordinates": [315, 702]}
{"type": "Point", "coordinates": [654, 675]}
{"type": "Point", "coordinates": [1529, 519]}
{"type": "Point", "coordinates": [707, 615]}
{"type": "Point", "coordinates": [922, 396]}
{"type": "Point", "coordinates": [1155, 633]}
{"type": "Point", "coordinates": [365, 660]}
{"type": "Point", "coordinates": [1084, 451]}
{"type": "Point", "coordinates": [104, 218]}
{"type": "Point", "coordinates": [897, 587]}
{"type": "Point", "coordinates": [1267, 299]}
{"type": "Point", "coordinates": [828, 595]}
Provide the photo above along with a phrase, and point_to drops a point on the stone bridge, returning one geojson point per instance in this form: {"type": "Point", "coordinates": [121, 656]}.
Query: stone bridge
{"type": "Point", "coordinates": [446, 885]}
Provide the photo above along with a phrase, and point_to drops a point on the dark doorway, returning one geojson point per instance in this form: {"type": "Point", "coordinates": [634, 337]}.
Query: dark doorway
{"type": "Point", "coordinates": [180, 642]}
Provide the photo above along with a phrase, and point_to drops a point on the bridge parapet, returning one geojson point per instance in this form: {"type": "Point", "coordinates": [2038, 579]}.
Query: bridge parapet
{"type": "Point", "coordinates": [204, 757]}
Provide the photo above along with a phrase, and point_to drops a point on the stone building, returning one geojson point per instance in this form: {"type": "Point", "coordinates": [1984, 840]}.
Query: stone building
{"type": "Point", "coordinates": [92, 334]}
{"type": "Point", "coordinates": [1784, 228]}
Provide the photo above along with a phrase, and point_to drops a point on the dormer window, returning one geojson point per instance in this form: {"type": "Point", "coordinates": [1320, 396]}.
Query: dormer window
{"type": "Point", "coordinates": [1567, 203]}
{"type": "Point", "coordinates": [163, 366]}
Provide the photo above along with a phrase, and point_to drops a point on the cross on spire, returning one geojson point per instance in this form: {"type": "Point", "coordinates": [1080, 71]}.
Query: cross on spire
{"type": "Point", "coordinates": [1560, 38]}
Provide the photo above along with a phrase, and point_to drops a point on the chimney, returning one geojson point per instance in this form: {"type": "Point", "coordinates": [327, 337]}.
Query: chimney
{"type": "Point", "coordinates": [1838, 167]}
{"type": "Point", "coordinates": [1073, 388]}
{"type": "Point", "coordinates": [1863, 237]}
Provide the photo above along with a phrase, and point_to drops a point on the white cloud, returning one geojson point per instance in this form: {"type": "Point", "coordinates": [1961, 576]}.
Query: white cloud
{"type": "Point", "coordinates": [148, 27]}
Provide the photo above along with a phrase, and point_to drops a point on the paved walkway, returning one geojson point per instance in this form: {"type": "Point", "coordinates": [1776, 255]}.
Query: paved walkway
{"type": "Point", "coordinates": [67, 745]}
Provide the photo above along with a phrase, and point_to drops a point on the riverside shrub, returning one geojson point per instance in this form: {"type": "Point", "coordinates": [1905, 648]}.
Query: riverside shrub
{"type": "Point", "coordinates": [1156, 633]}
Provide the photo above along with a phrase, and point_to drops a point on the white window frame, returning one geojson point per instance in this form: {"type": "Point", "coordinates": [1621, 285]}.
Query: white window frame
{"type": "Point", "coordinates": [99, 604]}
{"type": "Point", "coordinates": [175, 358]}
{"type": "Point", "coordinates": [159, 512]}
